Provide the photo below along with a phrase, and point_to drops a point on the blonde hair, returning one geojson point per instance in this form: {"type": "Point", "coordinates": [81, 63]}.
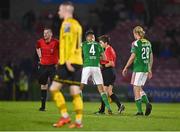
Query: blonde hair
{"type": "Point", "coordinates": [139, 30]}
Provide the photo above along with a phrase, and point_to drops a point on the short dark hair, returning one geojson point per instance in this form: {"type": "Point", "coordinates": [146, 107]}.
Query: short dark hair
{"type": "Point", "coordinates": [48, 28]}
{"type": "Point", "coordinates": [104, 38]}
{"type": "Point", "coordinates": [90, 31]}
{"type": "Point", "coordinates": [66, 3]}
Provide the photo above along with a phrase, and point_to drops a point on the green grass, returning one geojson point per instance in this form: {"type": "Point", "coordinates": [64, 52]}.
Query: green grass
{"type": "Point", "coordinates": [25, 116]}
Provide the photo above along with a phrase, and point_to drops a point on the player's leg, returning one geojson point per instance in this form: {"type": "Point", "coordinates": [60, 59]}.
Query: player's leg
{"type": "Point", "coordinates": [104, 97]}
{"type": "Point", "coordinates": [61, 73]}
{"type": "Point", "coordinates": [43, 97]}
{"type": "Point", "coordinates": [145, 100]}
{"type": "Point", "coordinates": [43, 79]}
{"type": "Point", "coordinates": [114, 98]}
{"type": "Point", "coordinates": [138, 100]}
{"type": "Point", "coordinates": [137, 83]}
{"type": "Point", "coordinates": [60, 103]}
{"type": "Point", "coordinates": [84, 76]}
{"type": "Point", "coordinates": [97, 77]}
{"type": "Point", "coordinates": [143, 94]}
{"type": "Point", "coordinates": [101, 108]}
{"type": "Point", "coordinates": [144, 97]}
{"type": "Point", "coordinates": [78, 106]}
{"type": "Point", "coordinates": [76, 92]}
{"type": "Point", "coordinates": [109, 79]}
{"type": "Point", "coordinates": [50, 72]}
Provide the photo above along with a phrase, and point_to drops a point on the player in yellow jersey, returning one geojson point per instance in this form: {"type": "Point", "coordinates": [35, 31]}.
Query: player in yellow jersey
{"type": "Point", "coordinates": [69, 69]}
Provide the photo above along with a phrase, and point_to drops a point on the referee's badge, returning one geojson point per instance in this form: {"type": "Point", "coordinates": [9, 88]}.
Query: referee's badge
{"type": "Point", "coordinates": [51, 50]}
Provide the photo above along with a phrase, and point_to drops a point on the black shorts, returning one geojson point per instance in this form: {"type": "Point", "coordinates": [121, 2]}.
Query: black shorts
{"type": "Point", "coordinates": [109, 76]}
{"type": "Point", "coordinates": [45, 72]}
{"type": "Point", "coordinates": [63, 75]}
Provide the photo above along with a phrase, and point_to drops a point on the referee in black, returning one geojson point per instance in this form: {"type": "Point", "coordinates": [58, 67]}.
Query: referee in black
{"type": "Point", "coordinates": [108, 73]}
{"type": "Point", "coordinates": [48, 52]}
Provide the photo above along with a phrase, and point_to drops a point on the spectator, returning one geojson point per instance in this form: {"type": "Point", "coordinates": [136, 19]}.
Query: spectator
{"type": "Point", "coordinates": [23, 86]}
{"type": "Point", "coordinates": [9, 81]}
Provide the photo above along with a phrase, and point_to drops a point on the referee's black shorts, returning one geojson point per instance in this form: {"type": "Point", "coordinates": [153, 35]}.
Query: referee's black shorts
{"type": "Point", "coordinates": [63, 75]}
{"type": "Point", "coordinates": [45, 72]}
{"type": "Point", "coordinates": [109, 75]}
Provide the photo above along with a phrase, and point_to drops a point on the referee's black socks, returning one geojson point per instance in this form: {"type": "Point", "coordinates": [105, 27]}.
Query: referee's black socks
{"type": "Point", "coordinates": [115, 99]}
{"type": "Point", "coordinates": [43, 98]}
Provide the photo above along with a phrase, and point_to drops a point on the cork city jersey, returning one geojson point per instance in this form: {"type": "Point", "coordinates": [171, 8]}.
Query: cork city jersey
{"type": "Point", "coordinates": [91, 53]}
{"type": "Point", "coordinates": [110, 56]}
{"type": "Point", "coordinates": [142, 49]}
{"type": "Point", "coordinates": [49, 51]}
{"type": "Point", "coordinates": [70, 41]}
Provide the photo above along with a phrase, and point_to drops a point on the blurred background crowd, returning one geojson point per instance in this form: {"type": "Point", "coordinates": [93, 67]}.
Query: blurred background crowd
{"type": "Point", "coordinates": [22, 23]}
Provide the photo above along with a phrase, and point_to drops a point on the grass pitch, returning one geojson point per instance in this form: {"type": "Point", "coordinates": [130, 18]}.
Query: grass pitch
{"type": "Point", "coordinates": [25, 116]}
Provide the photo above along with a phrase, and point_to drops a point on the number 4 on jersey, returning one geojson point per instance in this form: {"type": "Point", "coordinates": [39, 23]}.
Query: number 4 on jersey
{"type": "Point", "coordinates": [92, 50]}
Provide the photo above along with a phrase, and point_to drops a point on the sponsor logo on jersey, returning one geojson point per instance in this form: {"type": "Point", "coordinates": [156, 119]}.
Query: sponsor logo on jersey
{"type": "Point", "coordinates": [67, 27]}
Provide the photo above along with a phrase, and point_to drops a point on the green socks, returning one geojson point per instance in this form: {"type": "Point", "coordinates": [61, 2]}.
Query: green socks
{"type": "Point", "coordinates": [139, 105]}
{"type": "Point", "coordinates": [105, 99]}
{"type": "Point", "coordinates": [144, 99]}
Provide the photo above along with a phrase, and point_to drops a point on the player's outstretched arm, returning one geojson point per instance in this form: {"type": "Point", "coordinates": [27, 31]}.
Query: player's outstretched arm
{"type": "Point", "coordinates": [130, 61]}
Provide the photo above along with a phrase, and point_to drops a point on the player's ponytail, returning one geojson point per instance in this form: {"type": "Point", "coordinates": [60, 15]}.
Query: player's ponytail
{"type": "Point", "coordinates": [140, 31]}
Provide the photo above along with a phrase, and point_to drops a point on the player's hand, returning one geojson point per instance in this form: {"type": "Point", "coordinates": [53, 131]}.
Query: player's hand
{"type": "Point", "coordinates": [70, 67]}
{"type": "Point", "coordinates": [39, 65]}
{"type": "Point", "coordinates": [124, 72]}
{"type": "Point", "coordinates": [56, 66]}
{"type": "Point", "coordinates": [149, 74]}
{"type": "Point", "coordinates": [81, 87]}
{"type": "Point", "coordinates": [107, 65]}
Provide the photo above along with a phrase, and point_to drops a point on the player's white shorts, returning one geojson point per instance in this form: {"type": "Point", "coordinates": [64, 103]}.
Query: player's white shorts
{"type": "Point", "coordinates": [139, 78]}
{"type": "Point", "coordinates": [94, 72]}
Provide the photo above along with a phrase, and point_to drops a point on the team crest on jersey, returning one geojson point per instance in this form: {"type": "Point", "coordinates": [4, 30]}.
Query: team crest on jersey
{"type": "Point", "coordinates": [67, 27]}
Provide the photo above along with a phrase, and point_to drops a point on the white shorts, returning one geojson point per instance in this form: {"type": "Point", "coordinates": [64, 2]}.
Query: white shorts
{"type": "Point", "coordinates": [94, 72]}
{"type": "Point", "coordinates": [139, 78]}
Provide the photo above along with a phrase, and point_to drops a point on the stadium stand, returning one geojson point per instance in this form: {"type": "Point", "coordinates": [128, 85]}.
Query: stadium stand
{"type": "Point", "coordinates": [166, 68]}
{"type": "Point", "coordinates": [18, 43]}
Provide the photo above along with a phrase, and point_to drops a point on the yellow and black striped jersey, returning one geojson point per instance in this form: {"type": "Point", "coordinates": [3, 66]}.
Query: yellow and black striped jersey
{"type": "Point", "coordinates": [70, 41]}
